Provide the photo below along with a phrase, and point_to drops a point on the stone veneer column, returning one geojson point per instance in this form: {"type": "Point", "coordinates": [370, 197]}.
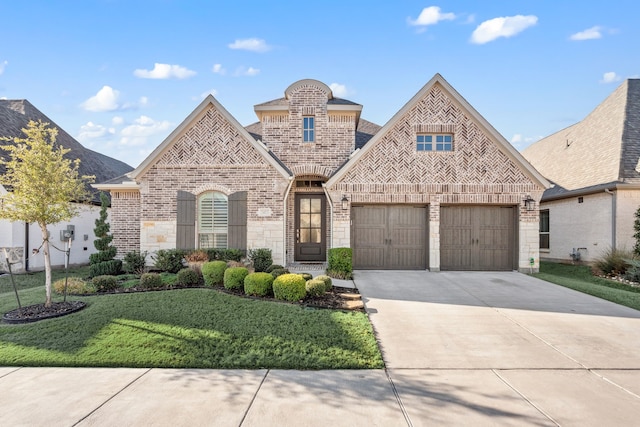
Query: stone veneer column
{"type": "Point", "coordinates": [434, 234]}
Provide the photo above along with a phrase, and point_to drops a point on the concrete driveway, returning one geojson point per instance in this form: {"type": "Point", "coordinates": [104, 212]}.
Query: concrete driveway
{"type": "Point", "coordinates": [504, 348]}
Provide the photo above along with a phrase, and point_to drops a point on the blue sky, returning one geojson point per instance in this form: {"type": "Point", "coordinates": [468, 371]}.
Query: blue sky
{"type": "Point", "coordinates": [120, 75]}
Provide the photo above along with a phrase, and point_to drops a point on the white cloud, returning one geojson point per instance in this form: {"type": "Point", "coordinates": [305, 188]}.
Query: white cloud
{"type": "Point", "coordinates": [203, 95]}
{"type": "Point", "coordinates": [105, 100]}
{"type": "Point", "coordinates": [138, 133]}
{"type": "Point", "coordinates": [339, 90]}
{"type": "Point", "coordinates": [588, 34]}
{"type": "Point", "coordinates": [91, 131]}
{"type": "Point", "coordinates": [252, 44]}
{"type": "Point", "coordinates": [516, 138]}
{"type": "Point", "coordinates": [217, 69]}
{"type": "Point", "coordinates": [430, 16]}
{"type": "Point", "coordinates": [164, 71]}
{"type": "Point", "coordinates": [117, 120]}
{"type": "Point", "coordinates": [610, 77]}
{"type": "Point", "coordinates": [505, 26]}
{"type": "Point", "coordinates": [243, 71]}
{"type": "Point", "coordinates": [3, 65]}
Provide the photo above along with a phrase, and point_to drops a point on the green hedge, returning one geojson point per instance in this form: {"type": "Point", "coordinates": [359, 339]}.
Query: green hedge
{"type": "Point", "coordinates": [327, 281]}
{"type": "Point", "coordinates": [261, 259]}
{"type": "Point", "coordinates": [107, 268]}
{"type": "Point", "coordinates": [258, 284]}
{"type": "Point", "coordinates": [234, 277]}
{"type": "Point", "coordinates": [340, 264]}
{"type": "Point", "coordinates": [105, 283]}
{"type": "Point", "coordinates": [151, 281]}
{"type": "Point", "coordinates": [189, 277]}
{"type": "Point", "coordinates": [169, 260]}
{"type": "Point", "coordinates": [315, 287]}
{"type": "Point", "coordinates": [213, 272]}
{"type": "Point", "coordinates": [289, 287]}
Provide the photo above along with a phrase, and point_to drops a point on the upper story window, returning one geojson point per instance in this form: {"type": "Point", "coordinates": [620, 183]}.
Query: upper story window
{"type": "Point", "coordinates": [213, 220]}
{"type": "Point", "coordinates": [308, 129]}
{"type": "Point", "coordinates": [431, 142]}
{"type": "Point", "coordinates": [544, 229]}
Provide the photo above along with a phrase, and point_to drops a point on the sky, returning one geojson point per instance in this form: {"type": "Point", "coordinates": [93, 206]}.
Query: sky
{"type": "Point", "coordinates": [121, 75]}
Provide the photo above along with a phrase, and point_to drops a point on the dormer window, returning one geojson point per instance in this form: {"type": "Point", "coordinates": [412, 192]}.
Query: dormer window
{"type": "Point", "coordinates": [308, 129]}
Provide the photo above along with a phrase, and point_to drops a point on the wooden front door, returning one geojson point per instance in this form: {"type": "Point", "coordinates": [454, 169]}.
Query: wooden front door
{"type": "Point", "coordinates": [310, 223]}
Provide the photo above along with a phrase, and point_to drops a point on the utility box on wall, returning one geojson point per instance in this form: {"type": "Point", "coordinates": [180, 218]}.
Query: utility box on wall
{"type": "Point", "coordinates": [70, 232]}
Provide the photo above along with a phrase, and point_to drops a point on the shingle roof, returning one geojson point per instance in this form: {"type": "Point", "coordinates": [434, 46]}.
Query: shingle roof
{"type": "Point", "coordinates": [284, 102]}
{"type": "Point", "coordinates": [15, 116]}
{"type": "Point", "coordinates": [604, 147]}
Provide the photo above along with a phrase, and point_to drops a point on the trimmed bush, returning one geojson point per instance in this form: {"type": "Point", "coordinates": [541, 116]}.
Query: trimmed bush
{"type": "Point", "coordinates": [189, 277]}
{"type": "Point", "coordinates": [105, 283]}
{"type": "Point", "coordinates": [328, 283]}
{"type": "Point", "coordinates": [106, 268]}
{"type": "Point", "coordinates": [169, 260]}
{"type": "Point", "coordinates": [340, 264]}
{"type": "Point", "coordinates": [306, 276]}
{"type": "Point", "coordinates": [135, 262]}
{"type": "Point", "coordinates": [279, 272]}
{"type": "Point", "coordinates": [234, 277]}
{"type": "Point", "coordinates": [213, 272]}
{"type": "Point", "coordinates": [261, 259]}
{"type": "Point", "coordinates": [258, 284]}
{"type": "Point", "coordinates": [151, 281]}
{"type": "Point", "coordinates": [289, 287]}
{"type": "Point", "coordinates": [315, 287]}
{"type": "Point", "coordinates": [274, 267]}
{"type": "Point", "coordinates": [75, 285]}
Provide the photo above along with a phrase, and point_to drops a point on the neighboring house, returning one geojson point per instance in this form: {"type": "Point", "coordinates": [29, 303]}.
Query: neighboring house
{"type": "Point", "coordinates": [20, 239]}
{"type": "Point", "coordinates": [595, 166]}
{"type": "Point", "coordinates": [437, 187]}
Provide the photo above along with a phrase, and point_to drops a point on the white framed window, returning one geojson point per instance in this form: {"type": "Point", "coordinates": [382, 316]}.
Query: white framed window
{"type": "Point", "coordinates": [544, 229]}
{"type": "Point", "coordinates": [213, 220]}
{"type": "Point", "coordinates": [433, 142]}
{"type": "Point", "coordinates": [308, 129]}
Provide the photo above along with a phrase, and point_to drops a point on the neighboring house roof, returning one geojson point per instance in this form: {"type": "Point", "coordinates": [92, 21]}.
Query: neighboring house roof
{"type": "Point", "coordinates": [437, 79]}
{"type": "Point", "coordinates": [15, 116]}
{"type": "Point", "coordinates": [602, 149]}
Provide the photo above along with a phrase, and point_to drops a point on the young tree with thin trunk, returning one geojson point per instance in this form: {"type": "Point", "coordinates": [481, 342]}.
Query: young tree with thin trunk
{"type": "Point", "coordinates": [43, 183]}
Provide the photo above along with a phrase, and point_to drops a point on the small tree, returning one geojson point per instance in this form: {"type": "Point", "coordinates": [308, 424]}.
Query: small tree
{"type": "Point", "coordinates": [43, 183]}
{"type": "Point", "coordinates": [636, 235]}
{"type": "Point", "coordinates": [102, 262]}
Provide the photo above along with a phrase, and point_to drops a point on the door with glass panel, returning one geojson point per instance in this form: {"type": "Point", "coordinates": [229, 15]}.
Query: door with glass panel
{"type": "Point", "coordinates": [310, 231]}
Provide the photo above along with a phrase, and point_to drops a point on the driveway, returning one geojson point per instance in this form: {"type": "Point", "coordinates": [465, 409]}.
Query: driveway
{"type": "Point", "coordinates": [504, 348]}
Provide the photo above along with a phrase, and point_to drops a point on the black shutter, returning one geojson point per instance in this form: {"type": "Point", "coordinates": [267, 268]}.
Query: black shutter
{"type": "Point", "coordinates": [186, 220]}
{"type": "Point", "coordinates": [238, 221]}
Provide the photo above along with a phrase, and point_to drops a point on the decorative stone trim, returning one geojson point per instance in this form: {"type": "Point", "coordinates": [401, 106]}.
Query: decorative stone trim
{"type": "Point", "coordinates": [212, 187]}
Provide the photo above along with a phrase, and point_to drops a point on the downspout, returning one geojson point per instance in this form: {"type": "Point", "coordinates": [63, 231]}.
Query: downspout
{"type": "Point", "coordinates": [284, 215]}
{"type": "Point", "coordinates": [326, 193]}
{"type": "Point", "coordinates": [613, 217]}
{"type": "Point", "coordinates": [26, 246]}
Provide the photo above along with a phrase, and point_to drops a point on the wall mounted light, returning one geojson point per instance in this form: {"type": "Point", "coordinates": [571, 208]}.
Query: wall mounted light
{"type": "Point", "coordinates": [529, 203]}
{"type": "Point", "coordinates": [345, 202]}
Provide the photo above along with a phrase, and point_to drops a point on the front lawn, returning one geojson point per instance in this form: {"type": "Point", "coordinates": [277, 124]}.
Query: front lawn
{"type": "Point", "coordinates": [187, 328]}
{"type": "Point", "coordinates": [579, 278]}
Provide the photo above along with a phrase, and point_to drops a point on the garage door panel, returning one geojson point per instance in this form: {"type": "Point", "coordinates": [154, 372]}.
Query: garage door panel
{"type": "Point", "coordinates": [368, 258]}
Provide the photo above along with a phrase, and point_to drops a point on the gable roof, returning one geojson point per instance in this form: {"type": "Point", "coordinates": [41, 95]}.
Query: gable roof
{"type": "Point", "coordinates": [602, 148]}
{"type": "Point", "coordinates": [187, 123]}
{"type": "Point", "coordinates": [15, 115]}
{"type": "Point", "coordinates": [437, 79]}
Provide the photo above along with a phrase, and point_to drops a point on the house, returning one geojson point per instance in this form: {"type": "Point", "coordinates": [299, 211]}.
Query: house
{"type": "Point", "coordinates": [20, 239]}
{"type": "Point", "coordinates": [435, 188]}
{"type": "Point", "coordinates": [595, 166]}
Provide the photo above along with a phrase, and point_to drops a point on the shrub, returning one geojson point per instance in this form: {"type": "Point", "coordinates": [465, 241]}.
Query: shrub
{"type": "Point", "coordinates": [135, 262]}
{"type": "Point", "coordinates": [289, 287]}
{"type": "Point", "coordinates": [151, 281]}
{"type": "Point", "coordinates": [106, 268]}
{"type": "Point", "coordinates": [198, 255]}
{"type": "Point", "coordinates": [279, 272]}
{"type": "Point", "coordinates": [614, 261]}
{"type": "Point", "coordinates": [306, 276]}
{"type": "Point", "coordinates": [169, 260]}
{"type": "Point", "coordinates": [315, 287]}
{"type": "Point", "coordinates": [261, 259]}
{"type": "Point", "coordinates": [225, 254]}
{"type": "Point", "coordinates": [105, 283]}
{"type": "Point", "coordinates": [75, 285]}
{"type": "Point", "coordinates": [189, 277]}
{"type": "Point", "coordinates": [213, 272]}
{"type": "Point", "coordinates": [258, 284]}
{"type": "Point", "coordinates": [234, 277]}
{"type": "Point", "coordinates": [274, 267]}
{"type": "Point", "coordinates": [328, 283]}
{"type": "Point", "coordinates": [340, 265]}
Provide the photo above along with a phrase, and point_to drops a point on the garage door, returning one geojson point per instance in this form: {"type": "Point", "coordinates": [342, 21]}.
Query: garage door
{"type": "Point", "coordinates": [390, 237]}
{"type": "Point", "coordinates": [477, 238]}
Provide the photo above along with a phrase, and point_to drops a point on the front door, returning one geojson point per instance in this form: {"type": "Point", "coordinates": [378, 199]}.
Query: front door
{"type": "Point", "coordinates": [310, 233]}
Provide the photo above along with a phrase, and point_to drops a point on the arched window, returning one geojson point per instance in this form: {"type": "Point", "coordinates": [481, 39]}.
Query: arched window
{"type": "Point", "coordinates": [213, 220]}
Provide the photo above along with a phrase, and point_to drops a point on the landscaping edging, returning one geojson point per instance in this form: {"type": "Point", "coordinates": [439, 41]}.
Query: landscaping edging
{"type": "Point", "coordinates": [36, 312]}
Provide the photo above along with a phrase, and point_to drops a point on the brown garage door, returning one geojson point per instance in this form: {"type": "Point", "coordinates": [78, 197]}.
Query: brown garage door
{"type": "Point", "coordinates": [389, 237]}
{"type": "Point", "coordinates": [477, 238]}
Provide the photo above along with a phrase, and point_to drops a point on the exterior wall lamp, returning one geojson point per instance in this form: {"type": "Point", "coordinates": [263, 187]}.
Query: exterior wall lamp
{"type": "Point", "coordinates": [529, 203]}
{"type": "Point", "coordinates": [345, 202]}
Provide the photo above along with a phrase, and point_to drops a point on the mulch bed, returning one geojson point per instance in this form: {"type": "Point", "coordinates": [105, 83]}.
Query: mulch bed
{"type": "Point", "coordinates": [36, 312]}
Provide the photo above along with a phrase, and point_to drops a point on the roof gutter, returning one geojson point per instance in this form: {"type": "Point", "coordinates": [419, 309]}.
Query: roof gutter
{"type": "Point", "coordinates": [612, 186]}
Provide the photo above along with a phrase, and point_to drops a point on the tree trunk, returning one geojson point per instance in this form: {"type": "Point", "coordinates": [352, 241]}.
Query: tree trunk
{"type": "Point", "coordinates": [47, 264]}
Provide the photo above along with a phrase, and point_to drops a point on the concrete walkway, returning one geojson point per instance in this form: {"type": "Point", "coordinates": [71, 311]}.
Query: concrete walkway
{"type": "Point", "coordinates": [460, 349]}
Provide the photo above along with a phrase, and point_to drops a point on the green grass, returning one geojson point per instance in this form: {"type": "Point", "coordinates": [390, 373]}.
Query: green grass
{"type": "Point", "coordinates": [579, 278]}
{"type": "Point", "coordinates": [188, 328]}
